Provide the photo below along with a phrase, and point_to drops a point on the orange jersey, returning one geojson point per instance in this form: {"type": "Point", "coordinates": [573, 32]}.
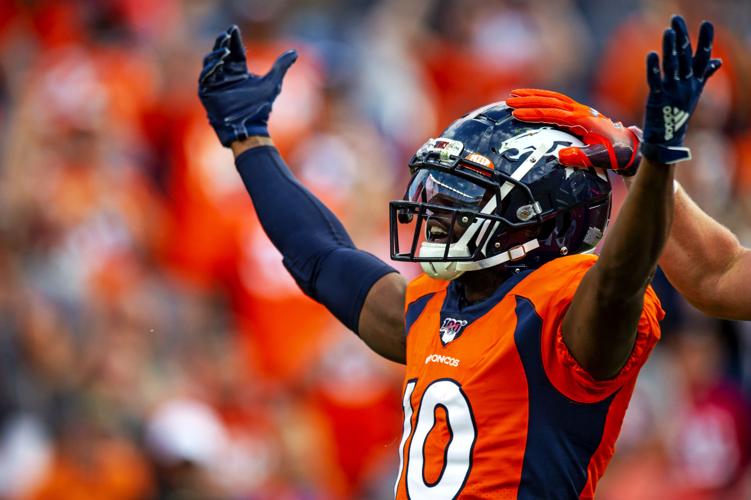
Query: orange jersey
{"type": "Point", "coordinates": [495, 406]}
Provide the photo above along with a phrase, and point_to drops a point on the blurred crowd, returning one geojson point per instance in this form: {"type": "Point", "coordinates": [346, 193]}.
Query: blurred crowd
{"type": "Point", "coordinates": [152, 344]}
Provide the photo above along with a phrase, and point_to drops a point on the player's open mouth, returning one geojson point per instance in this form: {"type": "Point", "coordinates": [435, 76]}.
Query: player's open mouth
{"type": "Point", "coordinates": [437, 231]}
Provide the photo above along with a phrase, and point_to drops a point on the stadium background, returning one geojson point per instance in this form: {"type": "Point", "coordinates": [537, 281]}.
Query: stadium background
{"type": "Point", "coordinates": [151, 344]}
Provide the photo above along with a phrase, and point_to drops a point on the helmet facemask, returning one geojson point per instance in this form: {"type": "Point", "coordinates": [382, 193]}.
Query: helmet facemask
{"type": "Point", "coordinates": [449, 220]}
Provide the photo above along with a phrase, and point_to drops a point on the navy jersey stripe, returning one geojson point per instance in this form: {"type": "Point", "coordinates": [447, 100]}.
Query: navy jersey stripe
{"type": "Point", "coordinates": [414, 310]}
{"type": "Point", "coordinates": [562, 434]}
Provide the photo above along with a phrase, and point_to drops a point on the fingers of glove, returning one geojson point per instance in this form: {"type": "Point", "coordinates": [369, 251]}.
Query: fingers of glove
{"type": "Point", "coordinates": [222, 40]}
{"type": "Point", "coordinates": [215, 55]}
{"type": "Point", "coordinates": [281, 65]}
{"type": "Point", "coordinates": [575, 123]}
{"type": "Point", "coordinates": [683, 46]}
{"type": "Point", "coordinates": [553, 116]}
{"type": "Point", "coordinates": [703, 48]}
{"type": "Point", "coordinates": [539, 102]}
{"type": "Point", "coordinates": [212, 64]}
{"type": "Point", "coordinates": [235, 45]}
{"type": "Point", "coordinates": [576, 157]}
{"type": "Point", "coordinates": [215, 59]}
{"type": "Point", "coordinates": [669, 57]}
{"type": "Point", "coordinates": [712, 67]}
{"type": "Point", "coordinates": [654, 79]}
{"type": "Point", "coordinates": [541, 93]}
{"type": "Point", "coordinates": [597, 155]}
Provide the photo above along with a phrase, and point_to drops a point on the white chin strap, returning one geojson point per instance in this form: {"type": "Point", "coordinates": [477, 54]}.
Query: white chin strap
{"type": "Point", "coordinates": [451, 270]}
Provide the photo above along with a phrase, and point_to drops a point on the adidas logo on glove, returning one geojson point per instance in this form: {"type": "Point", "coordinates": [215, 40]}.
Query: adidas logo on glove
{"type": "Point", "coordinates": [674, 119]}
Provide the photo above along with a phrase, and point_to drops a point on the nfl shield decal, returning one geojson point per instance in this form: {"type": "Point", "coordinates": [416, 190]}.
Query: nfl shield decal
{"type": "Point", "coordinates": [451, 328]}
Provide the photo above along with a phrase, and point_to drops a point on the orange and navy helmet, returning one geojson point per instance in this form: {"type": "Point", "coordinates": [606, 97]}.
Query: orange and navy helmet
{"type": "Point", "coordinates": [490, 191]}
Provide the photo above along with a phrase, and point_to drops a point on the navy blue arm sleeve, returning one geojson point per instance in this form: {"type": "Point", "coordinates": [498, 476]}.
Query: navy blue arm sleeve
{"type": "Point", "coordinates": [316, 248]}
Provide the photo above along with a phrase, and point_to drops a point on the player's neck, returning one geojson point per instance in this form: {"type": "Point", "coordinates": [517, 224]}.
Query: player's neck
{"type": "Point", "coordinates": [479, 285]}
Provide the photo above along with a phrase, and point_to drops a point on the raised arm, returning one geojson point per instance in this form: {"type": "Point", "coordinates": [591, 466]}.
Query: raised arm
{"type": "Point", "coordinates": [600, 326]}
{"type": "Point", "coordinates": [364, 293]}
{"type": "Point", "coordinates": [706, 263]}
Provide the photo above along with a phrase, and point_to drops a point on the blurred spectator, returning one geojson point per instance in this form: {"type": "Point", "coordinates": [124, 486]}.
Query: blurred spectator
{"type": "Point", "coordinates": [687, 434]}
{"type": "Point", "coordinates": [476, 52]}
{"type": "Point", "coordinates": [186, 440]}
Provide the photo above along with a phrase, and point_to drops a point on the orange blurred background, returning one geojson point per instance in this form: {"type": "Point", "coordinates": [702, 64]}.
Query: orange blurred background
{"type": "Point", "coordinates": [152, 344]}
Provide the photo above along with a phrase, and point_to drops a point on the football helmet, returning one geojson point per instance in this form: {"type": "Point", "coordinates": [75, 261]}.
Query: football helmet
{"type": "Point", "coordinates": [490, 191]}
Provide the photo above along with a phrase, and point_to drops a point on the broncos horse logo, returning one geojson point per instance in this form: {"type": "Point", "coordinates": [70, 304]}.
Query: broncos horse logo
{"type": "Point", "coordinates": [538, 142]}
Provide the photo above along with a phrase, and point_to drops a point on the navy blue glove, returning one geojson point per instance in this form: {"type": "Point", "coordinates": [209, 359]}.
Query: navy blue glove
{"type": "Point", "coordinates": [673, 95]}
{"type": "Point", "coordinates": [238, 103]}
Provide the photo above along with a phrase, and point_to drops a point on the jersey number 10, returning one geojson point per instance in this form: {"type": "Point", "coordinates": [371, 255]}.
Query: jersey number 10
{"type": "Point", "coordinates": [457, 457]}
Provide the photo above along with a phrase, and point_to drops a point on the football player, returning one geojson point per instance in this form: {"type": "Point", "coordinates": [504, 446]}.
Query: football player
{"type": "Point", "coordinates": [703, 260]}
{"type": "Point", "coordinates": [521, 347]}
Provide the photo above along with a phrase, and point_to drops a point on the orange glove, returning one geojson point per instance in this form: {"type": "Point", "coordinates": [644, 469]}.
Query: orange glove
{"type": "Point", "coordinates": [608, 145]}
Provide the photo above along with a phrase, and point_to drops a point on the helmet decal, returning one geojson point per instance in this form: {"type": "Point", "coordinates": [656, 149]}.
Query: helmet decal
{"type": "Point", "coordinates": [482, 160]}
{"type": "Point", "coordinates": [538, 142]}
{"type": "Point", "coordinates": [444, 147]}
